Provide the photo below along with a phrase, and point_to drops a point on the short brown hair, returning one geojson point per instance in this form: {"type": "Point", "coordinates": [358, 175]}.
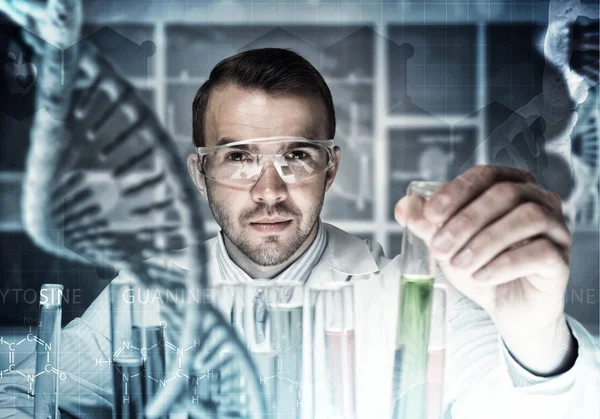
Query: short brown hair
{"type": "Point", "coordinates": [272, 70]}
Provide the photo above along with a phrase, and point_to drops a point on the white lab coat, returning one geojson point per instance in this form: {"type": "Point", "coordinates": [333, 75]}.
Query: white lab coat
{"type": "Point", "coordinates": [481, 380]}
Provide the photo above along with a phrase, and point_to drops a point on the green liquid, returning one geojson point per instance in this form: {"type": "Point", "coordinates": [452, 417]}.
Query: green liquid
{"type": "Point", "coordinates": [412, 339]}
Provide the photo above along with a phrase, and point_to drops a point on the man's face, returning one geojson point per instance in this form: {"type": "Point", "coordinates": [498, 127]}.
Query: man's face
{"type": "Point", "coordinates": [269, 221]}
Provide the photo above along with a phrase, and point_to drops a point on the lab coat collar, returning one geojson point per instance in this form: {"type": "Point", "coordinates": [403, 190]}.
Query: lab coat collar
{"type": "Point", "coordinates": [345, 256]}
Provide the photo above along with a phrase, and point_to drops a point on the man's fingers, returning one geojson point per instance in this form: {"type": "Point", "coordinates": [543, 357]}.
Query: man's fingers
{"type": "Point", "coordinates": [409, 210]}
{"type": "Point", "coordinates": [538, 258]}
{"type": "Point", "coordinates": [493, 204]}
{"type": "Point", "coordinates": [452, 196]}
{"type": "Point", "coordinates": [525, 222]}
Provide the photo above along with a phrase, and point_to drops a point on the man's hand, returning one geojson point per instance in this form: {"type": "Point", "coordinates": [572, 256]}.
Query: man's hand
{"type": "Point", "coordinates": [502, 241]}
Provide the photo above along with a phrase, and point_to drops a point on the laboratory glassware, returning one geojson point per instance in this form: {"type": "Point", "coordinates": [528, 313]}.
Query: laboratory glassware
{"type": "Point", "coordinates": [332, 348]}
{"type": "Point", "coordinates": [436, 353]}
{"type": "Point", "coordinates": [268, 315]}
{"type": "Point", "coordinates": [414, 314]}
{"type": "Point", "coordinates": [47, 372]}
{"type": "Point", "coordinates": [126, 359]}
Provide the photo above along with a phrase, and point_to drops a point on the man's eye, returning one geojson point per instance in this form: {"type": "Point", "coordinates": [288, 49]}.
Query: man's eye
{"type": "Point", "coordinates": [296, 155]}
{"type": "Point", "coordinates": [239, 157]}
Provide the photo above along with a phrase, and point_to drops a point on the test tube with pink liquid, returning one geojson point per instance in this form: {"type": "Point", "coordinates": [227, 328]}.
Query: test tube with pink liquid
{"type": "Point", "coordinates": [436, 353]}
{"type": "Point", "coordinates": [333, 350]}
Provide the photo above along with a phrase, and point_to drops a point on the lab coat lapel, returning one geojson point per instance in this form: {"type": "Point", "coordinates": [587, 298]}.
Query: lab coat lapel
{"type": "Point", "coordinates": [345, 256]}
{"type": "Point", "coordinates": [183, 260]}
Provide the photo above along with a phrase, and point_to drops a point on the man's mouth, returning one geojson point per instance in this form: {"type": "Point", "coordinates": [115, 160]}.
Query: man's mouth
{"type": "Point", "coordinates": [271, 224]}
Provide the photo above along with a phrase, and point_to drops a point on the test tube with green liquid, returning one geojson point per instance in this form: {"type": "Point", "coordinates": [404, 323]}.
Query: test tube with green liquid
{"type": "Point", "coordinates": [414, 315]}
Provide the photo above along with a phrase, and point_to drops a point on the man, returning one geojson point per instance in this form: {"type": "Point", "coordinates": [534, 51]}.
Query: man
{"type": "Point", "coordinates": [262, 125]}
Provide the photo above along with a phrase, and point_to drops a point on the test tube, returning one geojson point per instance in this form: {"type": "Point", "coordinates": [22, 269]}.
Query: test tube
{"type": "Point", "coordinates": [148, 335]}
{"type": "Point", "coordinates": [47, 352]}
{"type": "Point", "coordinates": [268, 314]}
{"type": "Point", "coordinates": [414, 315]}
{"type": "Point", "coordinates": [436, 354]}
{"type": "Point", "coordinates": [332, 350]}
{"type": "Point", "coordinates": [127, 361]}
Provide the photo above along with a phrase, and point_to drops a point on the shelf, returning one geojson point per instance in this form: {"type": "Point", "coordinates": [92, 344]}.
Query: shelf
{"type": "Point", "coordinates": [587, 228]}
{"type": "Point", "coordinates": [315, 13]}
{"type": "Point", "coordinates": [11, 177]}
{"type": "Point", "coordinates": [148, 83]}
{"type": "Point", "coordinates": [184, 139]}
{"type": "Point", "coordinates": [419, 121]}
{"type": "Point", "coordinates": [186, 81]}
{"type": "Point", "coordinates": [10, 227]}
{"type": "Point", "coordinates": [199, 80]}
{"type": "Point", "coordinates": [10, 194]}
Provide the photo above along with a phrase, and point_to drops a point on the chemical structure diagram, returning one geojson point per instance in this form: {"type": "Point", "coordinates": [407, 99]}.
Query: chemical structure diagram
{"type": "Point", "coordinates": [48, 368]}
{"type": "Point", "coordinates": [208, 386]}
{"type": "Point", "coordinates": [158, 349]}
{"type": "Point", "coordinates": [280, 376]}
{"type": "Point", "coordinates": [280, 369]}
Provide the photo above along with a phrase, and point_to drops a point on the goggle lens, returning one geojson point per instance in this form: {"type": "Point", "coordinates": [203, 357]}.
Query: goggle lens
{"type": "Point", "coordinates": [295, 162]}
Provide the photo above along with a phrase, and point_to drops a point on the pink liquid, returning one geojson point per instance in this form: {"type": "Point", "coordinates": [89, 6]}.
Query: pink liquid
{"type": "Point", "coordinates": [340, 357]}
{"type": "Point", "coordinates": [435, 382]}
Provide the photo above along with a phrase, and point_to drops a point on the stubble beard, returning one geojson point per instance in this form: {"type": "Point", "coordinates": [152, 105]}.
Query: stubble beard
{"type": "Point", "coordinates": [271, 252]}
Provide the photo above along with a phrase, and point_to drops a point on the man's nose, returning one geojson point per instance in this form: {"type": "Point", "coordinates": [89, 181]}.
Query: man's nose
{"type": "Point", "coordinates": [269, 188]}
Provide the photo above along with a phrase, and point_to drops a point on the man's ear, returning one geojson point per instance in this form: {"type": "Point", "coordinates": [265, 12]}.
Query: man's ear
{"type": "Point", "coordinates": [194, 171]}
{"type": "Point", "coordinates": [337, 154]}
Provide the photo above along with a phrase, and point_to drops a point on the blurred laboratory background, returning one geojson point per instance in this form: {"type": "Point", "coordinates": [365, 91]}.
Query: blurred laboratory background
{"type": "Point", "coordinates": [423, 90]}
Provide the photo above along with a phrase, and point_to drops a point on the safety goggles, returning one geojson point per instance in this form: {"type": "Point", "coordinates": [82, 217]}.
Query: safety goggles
{"type": "Point", "coordinates": [296, 159]}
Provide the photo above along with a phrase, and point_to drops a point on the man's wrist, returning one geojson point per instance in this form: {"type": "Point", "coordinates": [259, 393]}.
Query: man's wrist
{"type": "Point", "coordinates": [546, 352]}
